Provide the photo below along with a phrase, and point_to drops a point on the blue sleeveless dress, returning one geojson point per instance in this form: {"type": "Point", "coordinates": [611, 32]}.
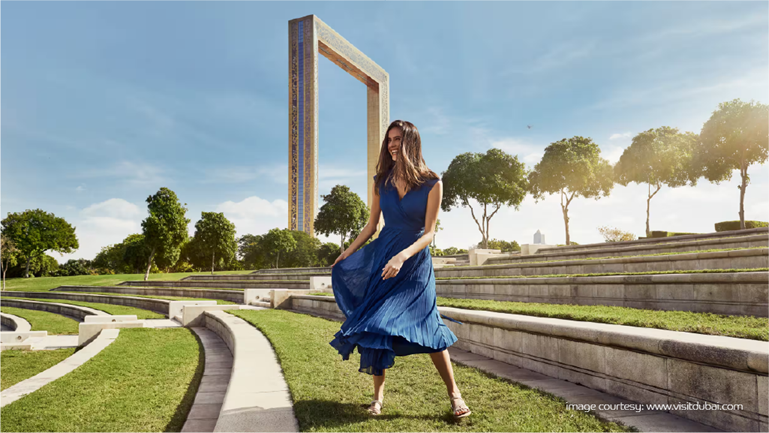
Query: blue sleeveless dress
{"type": "Point", "coordinates": [397, 316]}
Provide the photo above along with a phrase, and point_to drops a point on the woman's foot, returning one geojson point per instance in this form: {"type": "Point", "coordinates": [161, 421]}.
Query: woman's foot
{"type": "Point", "coordinates": [375, 408]}
{"type": "Point", "coordinates": [458, 407]}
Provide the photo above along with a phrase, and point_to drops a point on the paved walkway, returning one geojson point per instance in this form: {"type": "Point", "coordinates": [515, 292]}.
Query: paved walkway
{"type": "Point", "coordinates": [216, 377]}
{"type": "Point", "coordinates": [36, 382]}
{"type": "Point", "coordinates": [651, 421]}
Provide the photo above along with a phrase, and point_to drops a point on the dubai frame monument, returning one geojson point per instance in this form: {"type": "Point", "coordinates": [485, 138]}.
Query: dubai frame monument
{"type": "Point", "coordinates": [308, 36]}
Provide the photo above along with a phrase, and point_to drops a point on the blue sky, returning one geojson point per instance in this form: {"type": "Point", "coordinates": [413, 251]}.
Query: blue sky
{"type": "Point", "coordinates": [105, 102]}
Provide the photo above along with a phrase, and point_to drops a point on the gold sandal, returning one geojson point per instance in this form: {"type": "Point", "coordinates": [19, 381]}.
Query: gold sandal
{"type": "Point", "coordinates": [457, 404]}
{"type": "Point", "coordinates": [373, 410]}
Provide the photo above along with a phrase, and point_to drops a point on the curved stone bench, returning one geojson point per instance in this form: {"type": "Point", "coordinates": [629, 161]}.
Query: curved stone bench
{"type": "Point", "coordinates": [289, 284]}
{"type": "Point", "coordinates": [226, 295]}
{"type": "Point", "coordinates": [737, 259]}
{"type": "Point", "coordinates": [736, 293]}
{"type": "Point", "coordinates": [761, 240]}
{"type": "Point", "coordinates": [16, 323]}
{"type": "Point", "coordinates": [257, 394]}
{"type": "Point", "coordinates": [641, 364]}
{"type": "Point", "coordinates": [156, 305]}
{"type": "Point", "coordinates": [75, 311]}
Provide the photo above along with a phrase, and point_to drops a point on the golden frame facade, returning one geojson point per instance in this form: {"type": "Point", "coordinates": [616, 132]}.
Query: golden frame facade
{"type": "Point", "coordinates": [307, 37]}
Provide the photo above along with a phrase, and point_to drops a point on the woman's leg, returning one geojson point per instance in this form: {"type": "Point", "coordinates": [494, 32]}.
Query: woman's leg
{"type": "Point", "coordinates": [442, 362]}
{"type": "Point", "coordinates": [379, 382]}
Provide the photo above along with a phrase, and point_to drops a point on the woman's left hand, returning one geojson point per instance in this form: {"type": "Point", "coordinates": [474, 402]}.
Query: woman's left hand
{"type": "Point", "coordinates": [393, 267]}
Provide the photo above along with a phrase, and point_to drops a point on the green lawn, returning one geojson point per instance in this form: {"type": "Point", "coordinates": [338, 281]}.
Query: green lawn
{"type": "Point", "coordinates": [750, 327]}
{"type": "Point", "coordinates": [329, 394]}
{"type": "Point", "coordinates": [18, 365]}
{"type": "Point", "coordinates": [55, 324]}
{"type": "Point", "coordinates": [48, 283]}
{"type": "Point", "coordinates": [145, 381]}
{"type": "Point", "coordinates": [115, 310]}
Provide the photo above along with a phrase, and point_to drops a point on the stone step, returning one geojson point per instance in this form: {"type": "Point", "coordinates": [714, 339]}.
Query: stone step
{"type": "Point", "coordinates": [238, 284]}
{"type": "Point", "coordinates": [735, 259]}
{"type": "Point", "coordinates": [258, 277]}
{"type": "Point", "coordinates": [737, 293]}
{"type": "Point", "coordinates": [760, 240]}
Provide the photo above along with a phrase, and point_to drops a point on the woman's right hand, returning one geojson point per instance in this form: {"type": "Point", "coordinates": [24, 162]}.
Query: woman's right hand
{"type": "Point", "coordinates": [341, 257]}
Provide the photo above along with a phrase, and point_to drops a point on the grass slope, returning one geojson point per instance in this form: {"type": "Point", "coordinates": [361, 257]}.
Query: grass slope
{"type": "Point", "coordinates": [55, 324]}
{"type": "Point", "coordinates": [145, 381]}
{"type": "Point", "coordinates": [115, 310]}
{"type": "Point", "coordinates": [329, 394]}
{"type": "Point", "coordinates": [18, 365]}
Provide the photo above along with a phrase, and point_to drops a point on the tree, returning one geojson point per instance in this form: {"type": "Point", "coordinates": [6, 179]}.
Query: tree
{"type": "Point", "coordinates": [343, 214]}
{"type": "Point", "coordinates": [277, 240]}
{"type": "Point", "coordinates": [8, 255]}
{"type": "Point", "coordinates": [136, 254]}
{"type": "Point", "coordinates": [327, 254]}
{"type": "Point", "coordinates": [571, 167]}
{"type": "Point", "coordinates": [306, 252]}
{"type": "Point", "coordinates": [34, 232]}
{"type": "Point", "coordinates": [165, 229]}
{"type": "Point", "coordinates": [735, 137]}
{"type": "Point", "coordinates": [492, 179]}
{"type": "Point", "coordinates": [615, 234]}
{"type": "Point", "coordinates": [250, 250]}
{"type": "Point", "coordinates": [657, 157]}
{"type": "Point", "coordinates": [74, 267]}
{"type": "Point", "coordinates": [215, 235]}
{"type": "Point", "coordinates": [504, 246]}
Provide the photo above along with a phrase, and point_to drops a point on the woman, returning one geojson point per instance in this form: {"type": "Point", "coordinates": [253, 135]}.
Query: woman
{"type": "Point", "coordinates": [386, 290]}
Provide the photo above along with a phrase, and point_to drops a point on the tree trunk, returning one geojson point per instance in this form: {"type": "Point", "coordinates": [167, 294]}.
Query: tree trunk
{"type": "Point", "coordinates": [26, 271]}
{"type": "Point", "coordinates": [744, 174]}
{"type": "Point", "coordinates": [149, 265]}
{"type": "Point", "coordinates": [565, 210]}
{"type": "Point", "coordinates": [341, 245]}
{"type": "Point", "coordinates": [648, 200]}
{"type": "Point", "coordinates": [213, 255]}
{"type": "Point", "coordinates": [4, 269]}
{"type": "Point", "coordinates": [277, 260]}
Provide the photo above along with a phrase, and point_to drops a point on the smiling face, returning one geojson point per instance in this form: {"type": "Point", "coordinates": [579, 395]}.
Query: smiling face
{"type": "Point", "coordinates": [394, 141]}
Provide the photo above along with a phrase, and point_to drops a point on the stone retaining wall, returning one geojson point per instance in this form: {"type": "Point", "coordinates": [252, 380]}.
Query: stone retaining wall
{"type": "Point", "coordinates": [292, 270]}
{"type": "Point", "coordinates": [75, 311]}
{"type": "Point", "coordinates": [641, 364]}
{"type": "Point", "coordinates": [220, 284]}
{"type": "Point", "coordinates": [16, 323]}
{"type": "Point", "coordinates": [738, 293]}
{"type": "Point", "coordinates": [226, 295]}
{"type": "Point", "coordinates": [257, 277]}
{"type": "Point", "coordinates": [156, 305]}
{"type": "Point", "coordinates": [633, 250]}
{"type": "Point", "coordinates": [737, 259]}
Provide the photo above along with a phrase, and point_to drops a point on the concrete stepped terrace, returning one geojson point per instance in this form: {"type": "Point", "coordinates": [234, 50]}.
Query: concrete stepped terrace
{"type": "Point", "coordinates": [631, 249]}
{"type": "Point", "coordinates": [258, 277]}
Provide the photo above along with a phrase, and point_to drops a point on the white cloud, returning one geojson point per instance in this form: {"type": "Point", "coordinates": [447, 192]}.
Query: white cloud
{"type": "Point", "coordinates": [255, 215]}
{"type": "Point", "coordinates": [139, 174]}
{"type": "Point", "coordinates": [624, 135]}
{"type": "Point", "coordinates": [238, 174]}
{"type": "Point", "coordinates": [80, 188]}
{"type": "Point", "coordinates": [557, 57]}
{"type": "Point", "coordinates": [101, 224]}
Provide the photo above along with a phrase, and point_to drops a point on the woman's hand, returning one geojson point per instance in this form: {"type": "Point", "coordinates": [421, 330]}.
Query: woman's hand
{"type": "Point", "coordinates": [341, 257]}
{"type": "Point", "coordinates": [393, 266]}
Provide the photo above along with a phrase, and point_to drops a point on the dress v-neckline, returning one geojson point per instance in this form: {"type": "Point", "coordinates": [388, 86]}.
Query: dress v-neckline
{"type": "Point", "coordinates": [400, 199]}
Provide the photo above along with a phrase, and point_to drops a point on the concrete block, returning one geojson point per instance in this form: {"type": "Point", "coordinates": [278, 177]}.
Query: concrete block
{"type": "Point", "coordinates": [193, 315]}
{"type": "Point", "coordinates": [584, 355]}
{"type": "Point", "coordinates": [763, 390]}
{"type": "Point", "coordinates": [13, 337]}
{"type": "Point", "coordinates": [251, 296]}
{"type": "Point", "coordinates": [320, 283]}
{"type": "Point", "coordinates": [638, 367]}
{"type": "Point", "coordinates": [89, 331]}
{"type": "Point", "coordinates": [176, 308]}
{"type": "Point", "coordinates": [280, 298]}
{"type": "Point", "coordinates": [108, 319]}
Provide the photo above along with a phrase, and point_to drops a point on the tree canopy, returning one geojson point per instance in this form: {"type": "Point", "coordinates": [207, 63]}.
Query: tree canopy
{"type": "Point", "coordinates": [215, 235]}
{"type": "Point", "coordinates": [493, 179]}
{"type": "Point", "coordinates": [33, 232]}
{"type": "Point", "coordinates": [344, 214]}
{"type": "Point", "coordinates": [165, 229]}
{"type": "Point", "coordinates": [735, 137]}
{"type": "Point", "coordinates": [572, 167]}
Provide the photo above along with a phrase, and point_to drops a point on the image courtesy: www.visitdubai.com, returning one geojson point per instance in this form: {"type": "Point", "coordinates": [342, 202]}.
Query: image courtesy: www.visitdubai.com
{"type": "Point", "coordinates": [384, 216]}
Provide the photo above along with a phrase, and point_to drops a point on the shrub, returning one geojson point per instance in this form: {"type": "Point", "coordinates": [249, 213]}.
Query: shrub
{"type": "Point", "coordinates": [724, 226]}
{"type": "Point", "coordinates": [615, 235]}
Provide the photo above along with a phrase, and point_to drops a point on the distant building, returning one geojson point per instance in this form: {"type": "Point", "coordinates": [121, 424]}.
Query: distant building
{"type": "Point", "coordinates": [539, 238]}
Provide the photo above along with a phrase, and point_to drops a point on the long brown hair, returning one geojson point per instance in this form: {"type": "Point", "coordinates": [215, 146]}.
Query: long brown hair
{"type": "Point", "coordinates": [410, 166]}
